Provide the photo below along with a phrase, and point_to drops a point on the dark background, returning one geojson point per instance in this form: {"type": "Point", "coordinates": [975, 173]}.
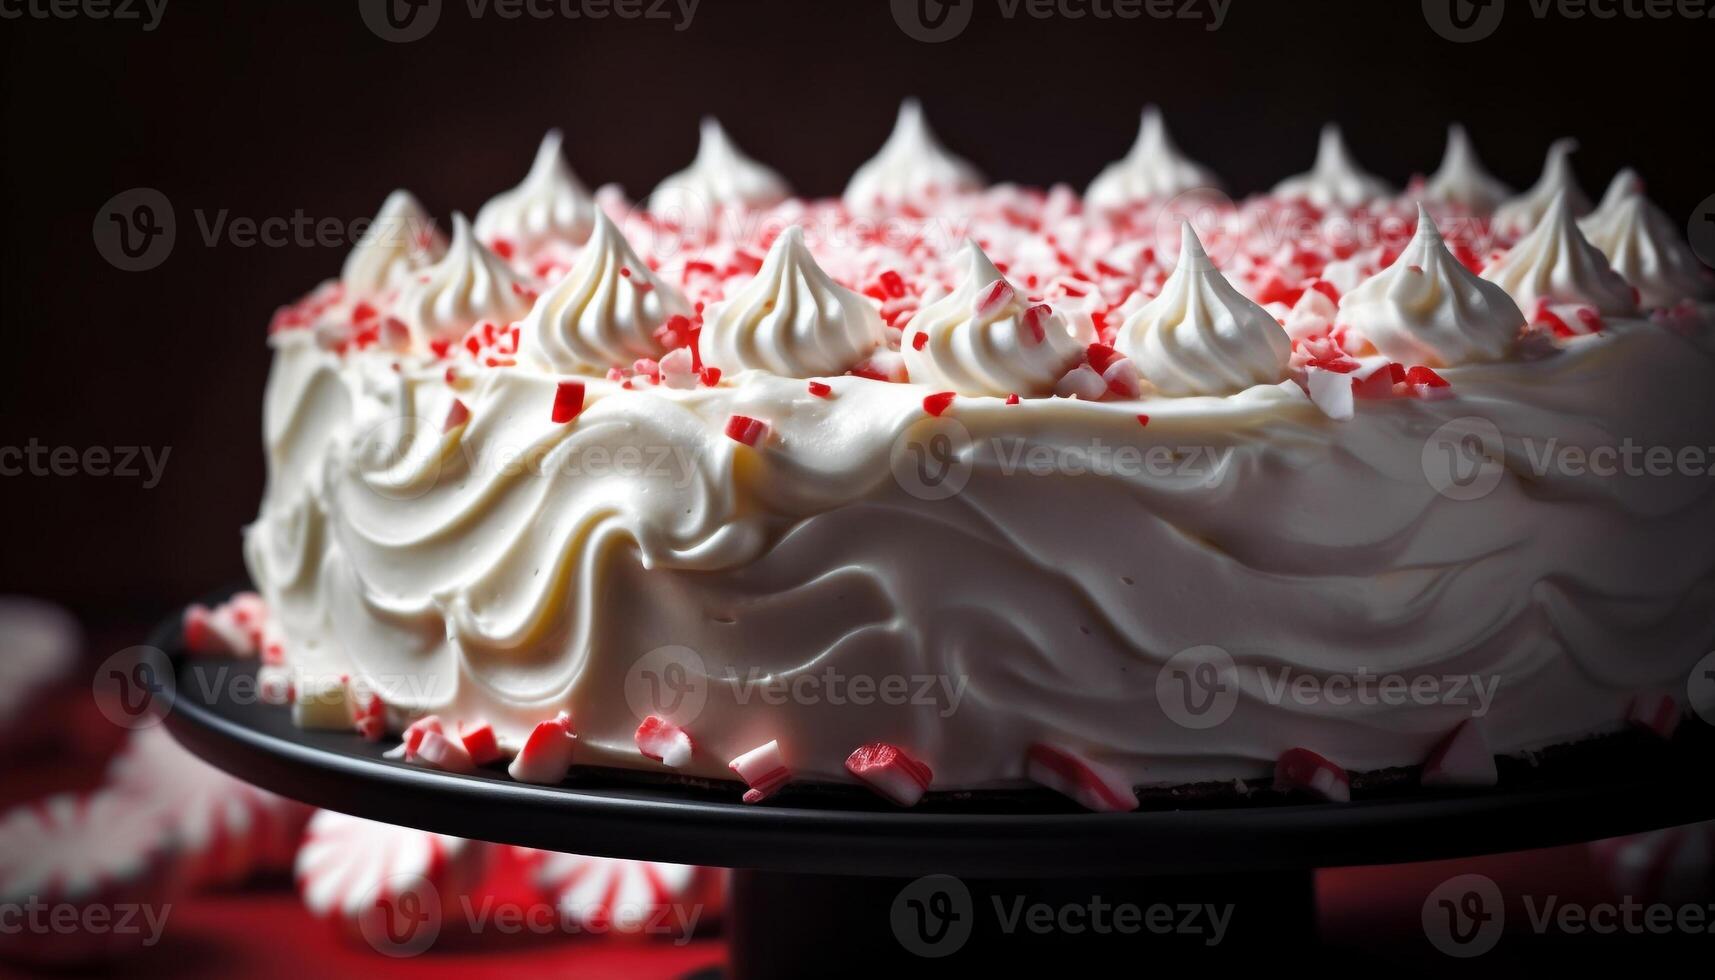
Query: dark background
{"type": "Point", "coordinates": [265, 109]}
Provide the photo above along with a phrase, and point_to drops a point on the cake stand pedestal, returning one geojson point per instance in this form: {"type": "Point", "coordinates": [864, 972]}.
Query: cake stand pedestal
{"type": "Point", "coordinates": [843, 885]}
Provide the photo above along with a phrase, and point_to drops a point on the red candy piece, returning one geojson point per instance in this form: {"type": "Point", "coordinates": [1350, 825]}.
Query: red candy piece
{"type": "Point", "coordinates": [568, 401]}
{"type": "Point", "coordinates": [480, 742]}
{"type": "Point", "coordinates": [994, 298]}
{"type": "Point", "coordinates": [763, 769]}
{"type": "Point", "coordinates": [891, 772]}
{"type": "Point", "coordinates": [1036, 322]}
{"type": "Point", "coordinates": [457, 414]}
{"type": "Point", "coordinates": [547, 753]}
{"type": "Point", "coordinates": [1301, 770]}
{"type": "Point", "coordinates": [743, 428]}
{"type": "Point", "coordinates": [1093, 787]}
{"type": "Point", "coordinates": [1101, 357]}
{"type": "Point", "coordinates": [937, 403]}
{"type": "Point", "coordinates": [664, 742]}
{"type": "Point", "coordinates": [821, 389]}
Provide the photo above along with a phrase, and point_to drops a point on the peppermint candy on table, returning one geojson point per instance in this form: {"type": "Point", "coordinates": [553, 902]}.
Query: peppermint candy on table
{"type": "Point", "coordinates": [623, 896]}
{"type": "Point", "coordinates": [1302, 770]}
{"type": "Point", "coordinates": [91, 855]}
{"type": "Point", "coordinates": [1094, 787]}
{"type": "Point", "coordinates": [349, 867]}
{"type": "Point", "coordinates": [39, 649]}
{"type": "Point", "coordinates": [226, 831]}
{"type": "Point", "coordinates": [891, 772]}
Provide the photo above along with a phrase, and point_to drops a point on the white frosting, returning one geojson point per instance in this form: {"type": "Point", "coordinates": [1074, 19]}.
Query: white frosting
{"type": "Point", "coordinates": [721, 175]}
{"type": "Point", "coordinates": [1428, 309]}
{"type": "Point", "coordinates": [469, 285]}
{"type": "Point", "coordinates": [1556, 264]}
{"type": "Point", "coordinates": [603, 313]}
{"type": "Point", "coordinates": [1644, 245]}
{"type": "Point", "coordinates": [1335, 179]}
{"type": "Point", "coordinates": [401, 240]}
{"type": "Point", "coordinates": [550, 204]}
{"type": "Point", "coordinates": [1461, 180]}
{"type": "Point", "coordinates": [793, 319]}
{"type": "Point", "coordinates": [985, 353]}
{"type": "Point", "coordinates": [1154, 168]}
{"type": "Point", "coordinates": [912, 166]}
{"type": "Point", "coordinates": [1524, 212]}
{"type": "Point", "coordinates": [1201, 336]}
{"type": "Point", "coordinates": [1625, 184]}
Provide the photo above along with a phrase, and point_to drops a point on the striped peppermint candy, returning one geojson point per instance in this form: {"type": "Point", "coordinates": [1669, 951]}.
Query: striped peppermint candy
{"type": "Point", "coordinates": [88, 853]}
{"type": "Point", "coordinates": [1094, 787]}
{"type": "Point", "coordinates": [621, 895]}
{"type": "Point", "coordinates": [226, 830]}
{"type": "Point", "coordinates": [349, 867]}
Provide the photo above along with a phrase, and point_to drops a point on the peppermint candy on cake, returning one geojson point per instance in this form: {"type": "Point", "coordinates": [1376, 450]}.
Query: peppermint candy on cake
{"type": "Point", "coordinates": [234, 627]}
{"type": "Point", "coordinates": [96, 861]}
{"type": "Point", "coordinates": [763, 769]}
{"type": "Point", "coordinates": [891, 772]}
{"type": "Point", "coordinates": [349, 867]}
{"type": "Point", "coordinates": [623, 896]}
{"type": "Point", "coordinates": [226, 831]}
{"type": "Point", "coordinates": [547, 753]}
{"type": "Point", "coordinates": [1303, 771]}
{"type": "Point", "coordinates": [1093, 786]}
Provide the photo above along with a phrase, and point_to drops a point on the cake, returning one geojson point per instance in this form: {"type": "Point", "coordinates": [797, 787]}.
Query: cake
{"type": "Point", "coordinates": [951, 486]}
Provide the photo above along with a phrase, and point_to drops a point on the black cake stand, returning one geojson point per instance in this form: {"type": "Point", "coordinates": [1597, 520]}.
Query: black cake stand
{"type": "Point", "coordinates": [831, 884]}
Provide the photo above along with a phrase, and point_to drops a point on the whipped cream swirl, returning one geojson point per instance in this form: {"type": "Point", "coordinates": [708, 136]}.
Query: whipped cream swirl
{"type": "Point", "coordinates": [551, 203]}
{"type": "Point", "coordinates": [720, 176]}
{"type": "Point", "coordinates": [1461, 180]}
{"type": "Point", "coordinates": [1154, 168]}
{"type": "Point", "coordinates": [1557, 265]}
{"type": "Point", "coordinates": [401, 240]}
{"type": "Point", "coordinates": [603, 313]}
{"type": "Point", "coordinates": [793, 319]}
{"type": "Point", "coordinates": [985, 338]}
{"type": "Point", "coordinates": [469, 285]}
{"type": "Point", "coordinates": [1644, 245]}
{"type": "Point", "coordinates": [1201, 336]}
{"type": "Point", "coordinates": [1524, 212]}
{"type": "Point", "coordinates": [912, 166]}
{"type": "Point", "coordinates": [1428, 309]}
{"type": "Point", "coordinates": [1335, 180]}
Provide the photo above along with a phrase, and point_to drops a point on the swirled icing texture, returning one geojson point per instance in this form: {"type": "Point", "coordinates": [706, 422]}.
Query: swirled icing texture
{"type": "Point", "coordinates": [1556, 264]}
{"type": "Point", "coordinates": [401, 240]}
{"type": "Point", "coordinates": [1335, 180]}
{"type": "Point", "coordinates": [1201, 336]}
{"type": "Point", "coordinates": [550, 205]}
{"type": "Point", "coordinates": [1039, 607]}
{"type": "Point", "coordinates": [912, 166]}
{"type": "Point", "coordinates": [468, 285]}
{"type": "Point", "coordinates": [604, 312]}
{"type": "Point", "coordinates": [1461, 180]}
{"type": "Point", "coordinates": [1154, 168]}
{"type": "Point", "coordinates": [721, 175]}
{"type": "Point", "coordinates": [952, 344]}
{"type": "Point", "coordinates": [1429, 309]}
{"type": "Point", "coordinates": [1524, 212]}
{"type": "Point", "coordinates": [1645, 247]}
{"type": "Point", "coordinates": [792, 319]}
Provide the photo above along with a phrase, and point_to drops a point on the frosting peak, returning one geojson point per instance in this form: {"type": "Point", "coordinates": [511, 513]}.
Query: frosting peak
{"type": "Point", "coordinates": [401, 240]}
{"type": "Point", "coordinates": [1428, 309]}
{"type": "Point", "coordinates": [1461, 179]}
{"type": "Point", "coordinates": [1335, 179]}
{"type": "Point", "coordinates": [721, 175]}
{"type": "Point", "coordinates": [1519, 215]}
{"type": "Point", "coordinates": [469, 285]}
{"type": "Point", "coordinates": [912, 165]}
{"type": "Point", "coordinates": [985, 338]}
{"type": "Point", "coordinates": [550, 203]}
{"type": "Point", "coordinates": [1154, 168]}
{"type": "Point", "coordinates": [793, 319]}
{"type": "Point", "coordinates": [1201, 336]}
{"type": "Point", "coordinates": [1556, 264]}
{"type": "Point", "coordinates": [1645, 247]}
{"type": "Point", "coordinates": [603, 313]}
